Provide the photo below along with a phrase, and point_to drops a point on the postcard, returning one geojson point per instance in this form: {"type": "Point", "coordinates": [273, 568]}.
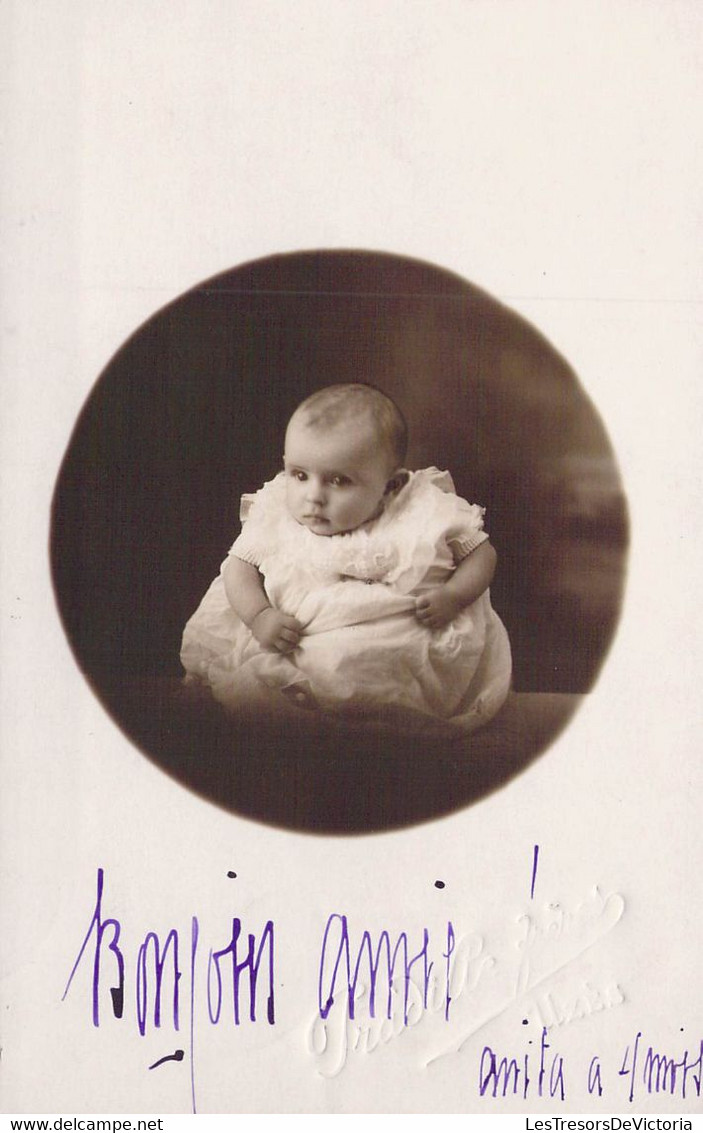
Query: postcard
{"type": "Point", "coordinates": [351, 693]}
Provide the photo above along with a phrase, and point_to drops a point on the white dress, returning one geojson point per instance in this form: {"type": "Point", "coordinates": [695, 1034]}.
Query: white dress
{"type": "Point", "coordinates": [363, 653]}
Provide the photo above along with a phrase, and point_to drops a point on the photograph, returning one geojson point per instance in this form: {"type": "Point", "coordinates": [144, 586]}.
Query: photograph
{"type": "Point", "coordinates": [349, 640]}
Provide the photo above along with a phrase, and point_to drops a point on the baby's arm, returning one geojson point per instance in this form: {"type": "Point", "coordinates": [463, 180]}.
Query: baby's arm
{"type": "Point", "coordinates": [473, 575]}
{"type": "Point", "coordinates": [245, 592]}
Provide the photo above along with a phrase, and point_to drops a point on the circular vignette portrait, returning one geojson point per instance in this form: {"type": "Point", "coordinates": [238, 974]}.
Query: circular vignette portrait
{"type": "Point", "coordinates": [339, 541]}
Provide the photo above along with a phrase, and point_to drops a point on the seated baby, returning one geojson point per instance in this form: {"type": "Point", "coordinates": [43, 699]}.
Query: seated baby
{"type": "Point", "coordinates": [355, 588]}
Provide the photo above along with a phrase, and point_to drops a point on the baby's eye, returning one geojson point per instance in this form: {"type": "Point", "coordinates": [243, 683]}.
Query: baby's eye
{"type": "Point", "coordinates": [298, 475]}
{"type": "Point", "coordinates": [340, 481]}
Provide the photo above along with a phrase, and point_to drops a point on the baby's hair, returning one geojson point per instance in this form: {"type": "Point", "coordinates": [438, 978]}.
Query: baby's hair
{"type": "Point", "coordinates": [334, 404]}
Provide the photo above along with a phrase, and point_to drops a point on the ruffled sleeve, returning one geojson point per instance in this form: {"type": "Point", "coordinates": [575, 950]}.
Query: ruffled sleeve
{"type": "Point", "coordinates": [261, 514]}
{"type": "Point", "coordinates": [468, 533]}
{"type": "Point", "coordinates": [464, 531]}
{"type": "Point", "coordinates": [436, 529]}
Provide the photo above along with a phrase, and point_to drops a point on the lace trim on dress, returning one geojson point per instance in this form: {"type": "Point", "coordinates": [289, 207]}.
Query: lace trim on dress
{"type": "Point", "coordinates": [398, 547]}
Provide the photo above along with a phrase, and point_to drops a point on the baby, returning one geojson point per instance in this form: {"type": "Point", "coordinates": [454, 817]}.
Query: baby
{"type": "Point", "coordinates": [356, 587]}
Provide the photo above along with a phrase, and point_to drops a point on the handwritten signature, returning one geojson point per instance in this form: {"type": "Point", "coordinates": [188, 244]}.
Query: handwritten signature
{"type": "Point", "coordinates": [375, 986]}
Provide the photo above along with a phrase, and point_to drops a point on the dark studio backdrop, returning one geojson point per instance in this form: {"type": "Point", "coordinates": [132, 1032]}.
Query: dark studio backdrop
{"type": "Point", "coordinates": [191, 413]}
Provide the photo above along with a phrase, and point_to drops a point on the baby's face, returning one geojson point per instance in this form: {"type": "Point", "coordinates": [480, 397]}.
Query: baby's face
{"type": "Point", "coordinates": [335, 479]}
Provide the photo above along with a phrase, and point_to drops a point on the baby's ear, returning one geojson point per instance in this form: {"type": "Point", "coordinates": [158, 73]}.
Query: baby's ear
{"type": "Point", "coordinates": [397, 481]}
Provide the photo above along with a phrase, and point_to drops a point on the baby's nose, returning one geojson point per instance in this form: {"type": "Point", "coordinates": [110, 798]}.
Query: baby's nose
{"type": "Point", "coordinates": [315, 492]}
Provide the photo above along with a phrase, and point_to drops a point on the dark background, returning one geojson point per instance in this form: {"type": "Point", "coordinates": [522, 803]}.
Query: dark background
{"type": "Point", "coordinates": [191, 412]}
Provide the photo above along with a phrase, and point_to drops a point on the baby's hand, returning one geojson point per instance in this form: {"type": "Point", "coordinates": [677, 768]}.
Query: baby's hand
{"type": "Point", "coordinates": [276, 631]}
{"type": "Point", "coordinates": [437, 608]}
